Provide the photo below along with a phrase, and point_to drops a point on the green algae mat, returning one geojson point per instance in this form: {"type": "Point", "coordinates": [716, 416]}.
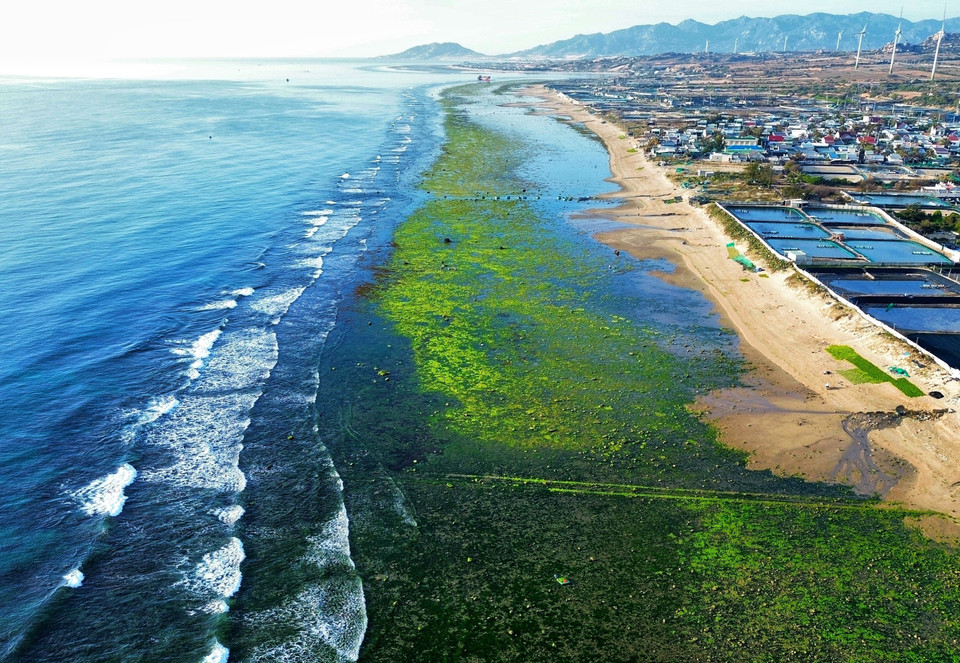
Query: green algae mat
{"type": "Point", "coordinates": [502, 419]}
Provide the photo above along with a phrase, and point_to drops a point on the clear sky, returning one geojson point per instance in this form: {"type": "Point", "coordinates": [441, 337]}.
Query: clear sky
{"type": "Point", "coordinates": [74, 30]}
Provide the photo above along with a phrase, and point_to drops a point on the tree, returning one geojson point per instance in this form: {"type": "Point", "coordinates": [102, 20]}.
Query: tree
{"type": "Point", "coordinates": [795, 190]}
{"type": "Point", "coordinates": [868, 184]}
{"type": "Point", "coordinates": [759, 173]}
{"type": "Point", "coordinates": [912, 214]}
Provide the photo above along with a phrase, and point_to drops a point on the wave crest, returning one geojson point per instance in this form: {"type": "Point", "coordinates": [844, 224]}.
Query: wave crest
{"type": "Point", "coordinates": [104, 496]}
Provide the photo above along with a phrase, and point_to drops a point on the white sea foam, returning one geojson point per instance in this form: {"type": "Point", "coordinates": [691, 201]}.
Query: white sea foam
{"type": "Point", "coordinates": [276, 305]}
{"type": "Point", "coordinates": [218, 572]}
{"type": "Point", "coordinates": [243, 292]}
{"type": "Point", "coordinates": [196, 351]}
{"type": "Point", "coordinates": [157, 408]}
{"type": "Point", "coordinates": [205, 432]}
{"type": "Point", "coordinates": [218, 305]}
{"type": "Point", "coordinates": [230, 515]}
{"type": "Point", "coordinates": [200, 348]}
{"type": "Point", "coordinates": [345, 176]}
{"type": "Point", "coordinates": [104, 496]}
{"type": "Point", "coordinates": [219, 654]}
{"type": "Point", "coordinates": [73, 578]}
{"type": "Point", "coordinates": [328, 615]}
{"type": "Point", "coordinates": [331, 546]}
{"type": "Point", "coordinates": [315, 263]}
{"type": "Point", "coordinates": [317, 213]}
{"type": "Point", "coordinates": [243, 359]}
{"type": "Point", "coordinates": [205, 436]}
{"type": "Point", "coordinates": [215, 608]}
{"type": "Point", "coordinates": [137, 418]}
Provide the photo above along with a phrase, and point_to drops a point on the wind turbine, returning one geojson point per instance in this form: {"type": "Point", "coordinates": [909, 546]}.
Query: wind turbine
{"type": "Point", "coordinates": [936, 53]}
{"type": "Point", "coordinates": [896, 40]}
{"type": "Point", "coordinates": [839, 37]}
{"type": "Point", "coordinates": [856, 65]}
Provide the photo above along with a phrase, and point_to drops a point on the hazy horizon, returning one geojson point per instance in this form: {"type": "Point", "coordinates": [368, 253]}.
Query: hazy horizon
{"type": "Point", "coordinates": [56, 37]}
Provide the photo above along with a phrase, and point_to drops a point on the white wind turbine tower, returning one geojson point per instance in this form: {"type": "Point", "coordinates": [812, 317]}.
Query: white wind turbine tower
{"type": "Point", "coordinates": [936, 53]}
{"type": "Point", "coordinates": [839, 37]}
{"type": "Point", "coordinates": [896, 40]}
{"type": "Point", "coordinates": [856, 65]}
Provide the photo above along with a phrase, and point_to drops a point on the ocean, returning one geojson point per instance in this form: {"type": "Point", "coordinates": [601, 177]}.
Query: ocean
{"type": "Point", "coordinates": [173, 253]}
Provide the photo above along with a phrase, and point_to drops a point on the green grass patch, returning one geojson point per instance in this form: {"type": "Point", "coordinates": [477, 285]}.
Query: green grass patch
{"type": "Point", "coordinates": [868, 373]}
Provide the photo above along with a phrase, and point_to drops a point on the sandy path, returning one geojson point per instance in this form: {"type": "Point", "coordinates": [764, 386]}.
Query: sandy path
{"type": "Point", "coordinates": [786, 417]}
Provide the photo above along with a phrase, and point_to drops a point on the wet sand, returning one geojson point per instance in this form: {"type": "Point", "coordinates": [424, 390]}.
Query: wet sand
{"type": "Point", "coordinates": [785, 415]}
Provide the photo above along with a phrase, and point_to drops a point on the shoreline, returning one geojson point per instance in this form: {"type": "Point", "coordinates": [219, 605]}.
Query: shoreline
{"type": "Point", "coordinates": [785, 416]}
{"type": "Point", "coordinates": [505, 418]}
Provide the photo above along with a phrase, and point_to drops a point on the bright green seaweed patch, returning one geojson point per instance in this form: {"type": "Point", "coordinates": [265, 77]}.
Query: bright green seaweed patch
{"type": "Point", "coordinates": [508, 319]}
{"type": "Point", "coordinates": [499, 418]}
{"type": "Point", "coordinates": [868, 373]}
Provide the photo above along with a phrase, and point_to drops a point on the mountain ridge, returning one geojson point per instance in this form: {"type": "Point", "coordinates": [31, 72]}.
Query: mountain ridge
{"type": "Point", "coordinates": [809, 32]}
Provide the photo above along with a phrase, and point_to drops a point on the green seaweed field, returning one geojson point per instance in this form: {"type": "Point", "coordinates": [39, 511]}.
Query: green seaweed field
{"type": "Point", "coordinates": [501, 418]}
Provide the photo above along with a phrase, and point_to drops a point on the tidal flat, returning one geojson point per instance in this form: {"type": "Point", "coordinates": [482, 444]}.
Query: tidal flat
{"type": "Point", "coordinates": [508, 406]}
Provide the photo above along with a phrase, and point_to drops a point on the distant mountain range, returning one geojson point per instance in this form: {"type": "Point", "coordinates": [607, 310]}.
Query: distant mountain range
{"type": "Point", "coordinates": [800, 33]}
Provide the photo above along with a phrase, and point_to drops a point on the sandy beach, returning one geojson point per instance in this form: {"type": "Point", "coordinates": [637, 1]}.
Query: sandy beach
{"type": "Point", "coordinates": [795, 415]}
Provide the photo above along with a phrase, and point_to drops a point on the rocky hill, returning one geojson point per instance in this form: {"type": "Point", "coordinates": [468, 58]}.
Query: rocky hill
{"type": "Point", "coordinates": [435, 51]}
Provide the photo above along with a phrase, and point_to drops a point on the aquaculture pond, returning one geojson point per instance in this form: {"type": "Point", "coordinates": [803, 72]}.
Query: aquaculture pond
{"type": "Point", "coordinates": [767, 214]}
{"type": "Point", "coordinates": [507, 403]}
{"type": "Point", "coordinates": [871, 232]}
{"type": "Point", "coordinates": [845, 217]}
{"type": "Point", "coordinates": [900, 200]}
{"type": "Point", "coordinates": [894, 287]}
{"type": "Point", "coordinates": [918, 318]}
{"type": "Point", "coordinates": [899, 251]}
{"type": "Point", "coordinates": [814, 248]}
{"type": "Point", "coordinates": [804, 230]}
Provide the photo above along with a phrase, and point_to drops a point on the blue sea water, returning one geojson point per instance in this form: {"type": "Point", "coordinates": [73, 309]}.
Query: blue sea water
{"type": "Point", "coordinates": [172, 256]}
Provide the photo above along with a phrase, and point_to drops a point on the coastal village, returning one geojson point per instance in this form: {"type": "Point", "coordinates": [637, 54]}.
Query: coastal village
{"type": "Point", "coordinates": [850, 189]}
{"type": "Point", "coordinates": [891, 143]}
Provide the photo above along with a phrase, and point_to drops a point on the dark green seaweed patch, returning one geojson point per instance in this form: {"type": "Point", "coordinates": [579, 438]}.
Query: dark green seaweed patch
{"type": "Point", "coordinates": [500, 418]}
